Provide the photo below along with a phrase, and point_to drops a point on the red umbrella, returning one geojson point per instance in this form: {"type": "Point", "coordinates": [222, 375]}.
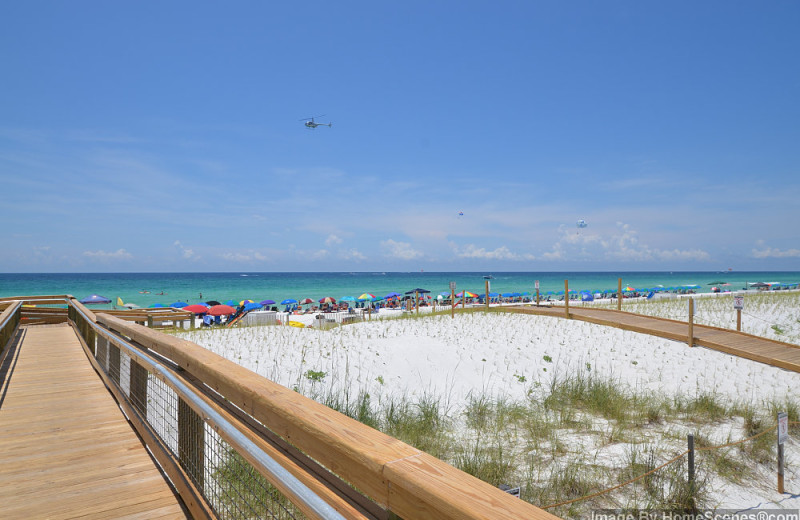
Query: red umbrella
{"type": "Point", "coordinates": [196, 308]}
{"type": "Point", "coordinates": [328, 299]}
{"type": "Point", "coordinates": [306, 301]}
{"type": "Point", "coordinates": [221, 310]}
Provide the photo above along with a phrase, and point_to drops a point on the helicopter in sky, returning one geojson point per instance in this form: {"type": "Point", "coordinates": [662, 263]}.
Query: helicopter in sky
{"type": "Point", "coordinates": [310, 123]}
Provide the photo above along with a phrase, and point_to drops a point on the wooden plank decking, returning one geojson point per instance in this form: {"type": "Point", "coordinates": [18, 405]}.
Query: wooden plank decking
{"type": "Point", "coordinates": [66, 449]}
{"type": "Point", "coordinates": [763, 350]}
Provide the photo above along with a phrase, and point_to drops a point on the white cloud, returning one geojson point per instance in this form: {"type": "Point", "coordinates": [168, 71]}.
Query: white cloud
{"type": "Point", "coordinates": [401, 250]}
{"type": "Point", "coordinates": [501, 253]}
{"type": "Point", "coordinates": [119, 254]}
{"type": "Point", "coordinates": [244, 257]}
{"type": "Point", "coordinates": [186, 253]}
{"type": "Point", "coordinates": [332, 240]}
{"type": "Point", "coordinates": [776, 253]}
{"type": "Point", "coordinates": [622, 245]}
{"type": "Point", "coordinates": [352, 254]}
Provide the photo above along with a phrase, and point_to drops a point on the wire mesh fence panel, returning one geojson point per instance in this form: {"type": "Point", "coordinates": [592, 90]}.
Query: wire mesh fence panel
{"type": "Point", "coordinates": [232, 486]}
{"type": "Point", "coordinates": [237, 491]}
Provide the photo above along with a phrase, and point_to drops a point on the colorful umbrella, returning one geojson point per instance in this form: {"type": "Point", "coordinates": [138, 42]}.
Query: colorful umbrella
{"type": "Point", "coordinates": [467, 294]}
{"type": "Point", "coordinates": [221, 310]}
{"type": "Point", "coordinates": [243, 302]}
{"type": "Point", "coordinates": [366, 296]}
{"type": "Point", "coordinates": [196, 308]}
{"type": "Point", "coordinates": [306, 301]}
{"type": "Point", "coordinates": [628, 288]}
{"type": "Point", "coordinates": [328, 299]}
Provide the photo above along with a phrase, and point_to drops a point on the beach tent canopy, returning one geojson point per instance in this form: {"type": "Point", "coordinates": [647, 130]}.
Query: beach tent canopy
{"type": "Point", "coordinates": [95, 298]}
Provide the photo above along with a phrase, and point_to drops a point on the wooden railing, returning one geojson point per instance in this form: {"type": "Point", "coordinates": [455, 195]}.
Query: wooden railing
{"type": "Point", "coordinates": [329, 453]}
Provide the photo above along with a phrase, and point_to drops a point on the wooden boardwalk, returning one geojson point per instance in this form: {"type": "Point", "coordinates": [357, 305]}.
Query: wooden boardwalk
{"type": "Point", "coordinates": [66, 449]}
{"type": "Point", "coordinates": [771, 352]}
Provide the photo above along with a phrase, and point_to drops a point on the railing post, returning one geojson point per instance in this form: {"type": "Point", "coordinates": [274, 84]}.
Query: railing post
{"type": "Point", "coordinates": [566, 299]}
{"type": "Point", "coordinates": [191, 442]}
{"type": "Point", "coordinates": [691, 322]}
{"type": "Point", "coordinates": [619, 294]}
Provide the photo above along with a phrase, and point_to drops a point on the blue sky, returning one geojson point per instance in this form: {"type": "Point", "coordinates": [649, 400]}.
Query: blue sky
{"type": "Point", "coordinates": [166, 136]}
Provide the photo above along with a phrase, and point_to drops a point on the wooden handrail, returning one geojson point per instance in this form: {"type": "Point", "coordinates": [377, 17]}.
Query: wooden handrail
{"type": "Point", "coordinates": [409, 482]}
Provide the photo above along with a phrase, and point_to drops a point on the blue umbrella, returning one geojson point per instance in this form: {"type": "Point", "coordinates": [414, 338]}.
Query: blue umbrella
{"type": "Point", "coordinates": [267, 302]}
{"type": "Point", "coordinates": [392, 295]}
{"type": "Point", "coordinates": [492, 294]}
{"type": "Point", "coordinates": [232, 303]}
{"type": "Point", "coordinates": [178, 305]}
{"type": "Point", "coordinates": [252, 306]}
{"type": "Point", "coordinates": [288, 301]}
{"type": "Point", "coordinates": [95, 298]}
{"type": "Point", "coordinates": [157, 306]}
{"type": "Point", "coordinates": [347, 299]}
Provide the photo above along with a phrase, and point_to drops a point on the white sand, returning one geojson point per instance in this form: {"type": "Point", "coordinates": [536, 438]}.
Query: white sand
{"type": "Point", "coordinates": [516, 355]}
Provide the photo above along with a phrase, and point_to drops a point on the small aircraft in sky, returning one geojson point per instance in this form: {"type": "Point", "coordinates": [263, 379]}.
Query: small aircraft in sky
{"type": "Point", "coordinates": [310, 123]}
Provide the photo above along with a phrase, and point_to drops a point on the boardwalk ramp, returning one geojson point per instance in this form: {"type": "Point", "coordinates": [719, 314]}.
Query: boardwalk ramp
{"type": "Point", "coordinates": [66, 449]}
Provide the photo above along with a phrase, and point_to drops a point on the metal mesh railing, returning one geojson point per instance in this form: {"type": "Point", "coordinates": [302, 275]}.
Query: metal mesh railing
{"type": "Point", "coordinates": [232, 487]}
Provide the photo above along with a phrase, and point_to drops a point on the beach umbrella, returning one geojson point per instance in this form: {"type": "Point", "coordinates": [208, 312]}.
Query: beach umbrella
{"type": "Point", "coordinates": [466, 294]}
{"type": "Point", "coordinates": [507, 295]}
{"type": "Point", "coordinates": [157, 306]}
{"type": "Point", "coordinates": [231, 303]}
{"type": "Point", "coordinates": [130, 306]}
{"type": "Point", "coordinates": [95, 298]}
{"type": "Point", "coordinates": [252, 306]}
{"type": "Point", "coordinates": [347, 299]}
{"type": "Point", "coordinates": [244, 302]}
{"type": "Point", "coordinates": [366, 296]}
{"type": "Point", "coordinates": [715, 283]}
{"type": "Point", "coordinates": [492, 294]}
{"type": "Point", "coordinates": [211, 303]}
{"type": "Point", "coordinates": [221, 310]}
{"type": "Point", "coordinates": [306, 301]}
{"type": "Point", "coordinates": [267, 302]}
{"type": "Point", "coordinates": [628, 288]}
{"type": "Point", "coordinates": [178, 305]}
{"type": "Point", "coordinates": [288, 301]}
{"type": "Point", "coordinates": [196, 308]}
{"type": "Point", "coordinates": [392, 295]}
{"type": "Point", "coordinates": [328, 299]}
{"type": "Point", "coordinates": [420, 291]}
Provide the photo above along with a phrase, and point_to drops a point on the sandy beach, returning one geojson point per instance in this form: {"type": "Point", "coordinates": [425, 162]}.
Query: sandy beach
{"type": "Point", "coordinates": [516, 358]}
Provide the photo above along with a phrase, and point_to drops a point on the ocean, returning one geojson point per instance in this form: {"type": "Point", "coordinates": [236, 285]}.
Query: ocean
{"type": "Point", "coordinates": [145, 289]}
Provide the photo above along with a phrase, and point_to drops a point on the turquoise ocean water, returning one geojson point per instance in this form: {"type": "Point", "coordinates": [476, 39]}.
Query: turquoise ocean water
{"type": "Point", "coordinates": [142, 288]}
